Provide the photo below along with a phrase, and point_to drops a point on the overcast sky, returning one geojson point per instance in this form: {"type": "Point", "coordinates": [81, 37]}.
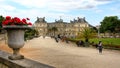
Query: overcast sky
{"type": "Point", "coordinates": [93, 10]}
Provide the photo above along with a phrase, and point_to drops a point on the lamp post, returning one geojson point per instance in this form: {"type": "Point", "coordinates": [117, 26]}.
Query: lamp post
{"type": "Point", "coordinates": [98, 31]}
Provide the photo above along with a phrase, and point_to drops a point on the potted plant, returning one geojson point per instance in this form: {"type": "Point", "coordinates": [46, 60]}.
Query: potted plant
{"type": "Point", "coordinates": [15, 32]}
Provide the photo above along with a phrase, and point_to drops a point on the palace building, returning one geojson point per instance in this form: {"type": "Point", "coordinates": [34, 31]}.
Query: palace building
{"type": "Point", "coordinates": [72, 28]}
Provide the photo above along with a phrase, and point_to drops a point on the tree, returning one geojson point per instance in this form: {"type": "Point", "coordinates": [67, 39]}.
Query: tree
{"type": "Point", "coordinates": [94, 29]}
{"type": "Point", "coordinates": [117, 28]}
{"type": "Point", "coordinates": [109, 24]}
{"type": "Point", "coordinates": [30, 33]}
{"type": "Point", "coordinates": [86, 33]}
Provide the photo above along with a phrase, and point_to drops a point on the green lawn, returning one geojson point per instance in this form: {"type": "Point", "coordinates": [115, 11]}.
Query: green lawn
{"type": "Point", "coordinates": [106, 41]}
{"type": "Point", "coordinates": [111, 41]}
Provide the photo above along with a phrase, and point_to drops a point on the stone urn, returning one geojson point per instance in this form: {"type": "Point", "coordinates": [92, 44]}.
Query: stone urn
{"type": "Point", "coordinates": [15, 36]}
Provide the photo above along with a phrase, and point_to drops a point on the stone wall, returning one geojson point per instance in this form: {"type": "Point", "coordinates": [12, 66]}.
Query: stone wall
{"type": "Point", "coordinates": [3, 65]}
{"type": "Point", "coordinates": [24, 63]}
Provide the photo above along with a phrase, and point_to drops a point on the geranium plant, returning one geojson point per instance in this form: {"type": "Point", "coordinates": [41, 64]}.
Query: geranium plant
{"type": "Point", "coordinates": [15, 21]}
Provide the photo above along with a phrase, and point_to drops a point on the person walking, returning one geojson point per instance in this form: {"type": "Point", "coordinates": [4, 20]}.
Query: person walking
{"type": "Point", "coordinates": [56, 39]}
{"type": "Point", "coordinates": [100, 46]}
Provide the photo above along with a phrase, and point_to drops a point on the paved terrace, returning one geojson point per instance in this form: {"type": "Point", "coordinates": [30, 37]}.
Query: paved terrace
{"type": "Point", "coordinates": [63, 55]}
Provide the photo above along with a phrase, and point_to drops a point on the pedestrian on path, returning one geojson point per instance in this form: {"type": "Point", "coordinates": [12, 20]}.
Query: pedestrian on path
{"type": "Point", "coordinates": [56, 39]}
{"type": "Point", "coordinates": [100, 46]}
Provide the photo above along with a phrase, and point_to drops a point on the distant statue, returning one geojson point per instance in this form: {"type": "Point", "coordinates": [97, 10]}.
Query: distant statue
{"type": "Point", "coordinates": [44, 19]}
{"type": "Point", "coordinates": [75, 20]}
{"type": "Point", "coordinates": [55, 20]}
{"type": "Point", "coordinates": [41, 19]}
{"type": "Point", "coordinates": [78, 19]}
{"type": "Point", "coordinates": [71, 21]}
{"type": "Point", "coordinates": [83, 20]}
{"type": "Point", "coordinates": [61, 20]}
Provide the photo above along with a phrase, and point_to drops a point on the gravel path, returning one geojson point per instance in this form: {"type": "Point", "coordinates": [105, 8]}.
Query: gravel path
{"type": "Point", "coordinates": [63, 55]}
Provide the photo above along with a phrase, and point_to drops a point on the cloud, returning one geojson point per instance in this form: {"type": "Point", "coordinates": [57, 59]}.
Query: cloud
{"type": "Point", "coordinates": [61, 5]}
{"type": "Point", "coordinates": [76, 4]}
{"type": "Point", "coordinates": [1, 0]}
{"type": "Point", "coordinates": [31, 3]}
{"type": "Point", "coordinates": [51, 9]}
{"type": "Point", "coordinates": [98, 10]}
{"type": "Point", "coordinates": [7, 7]}
{"type": "Point", "coordinates": [103, 0]}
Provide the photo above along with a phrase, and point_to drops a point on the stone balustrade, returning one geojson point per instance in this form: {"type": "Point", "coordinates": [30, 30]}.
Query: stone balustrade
{"type": "Point", "coordinates": [23, 63]}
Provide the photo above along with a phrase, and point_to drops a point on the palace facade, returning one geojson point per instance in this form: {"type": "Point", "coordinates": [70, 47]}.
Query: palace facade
{"type": "Point", "coordinates": [72, 28]}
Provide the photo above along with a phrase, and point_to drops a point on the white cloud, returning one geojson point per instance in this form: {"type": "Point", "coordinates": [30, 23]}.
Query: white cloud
{"type": "Point", "coordinates": [104, 0]}
{"type": "Point", "coordinates": [7, 7]}
{"type": "Point", "coordinates": [44, 8]}
{"type": "Point", "coordinates": [61, 5]}
{"type": "Point", "coordinates": [31, 3]}
{"type": "Point", "coordinates": [98, 11]}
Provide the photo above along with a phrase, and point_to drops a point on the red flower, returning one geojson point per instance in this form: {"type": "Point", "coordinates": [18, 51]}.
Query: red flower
{"type": "Point", "coordinates": [29, 23]}
{"type": "Point", "coordinates": [15, 21]}
{"type": "Point", "coordinates": [5, 23]}
{"type": "Point", "coordinates": [27, 18]}
{"type": "Point", "coordinates": [11, 20]}
{"type": "Point", "coordinates": [24, 21]}
{"type": "Point", "coordinates": [8, 17]}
